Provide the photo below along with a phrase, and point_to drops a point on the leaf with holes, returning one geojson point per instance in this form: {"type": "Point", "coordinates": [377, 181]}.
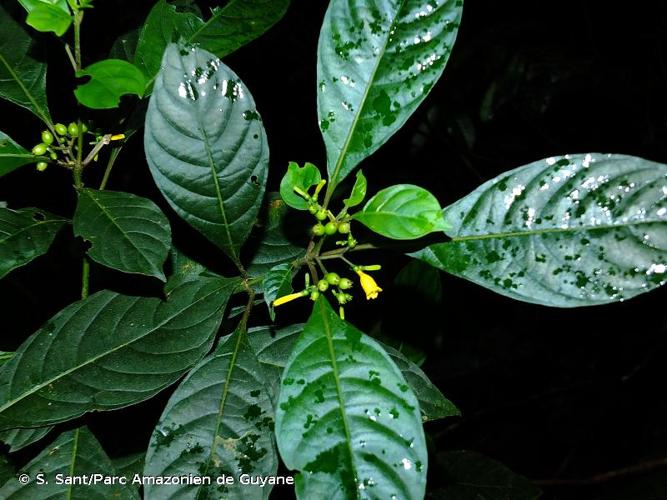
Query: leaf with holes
{"type": "Point", "coordinates": [206, 146]}
{"type": "Point", "coordinates": [219, 421]}
{"type": "Point", "coordinates": [402, 212]}
{"type": "Point", "coordinates": [346, 418]}
{"type": "Point", "coordinates": [24, 235]}
{"type": "Point", "coordinates": [279, 239]}
{"type": "Point", "coordinates": [22, 77]}
{"type": "Point", "coordinates": [377, 61]}
{"type": "Point", "coordinates": [128, 233]}
{"type": "Point", "coordinates": [12, 155]}
{"type": "Point", "coordinates": [570, 231]}
{"type": "Point", "coordinates": [110, 351]}
{"type": "Point", "coordinates": [17, 439]}
{"type": "Point", "coordinates": [277, 283]}
{"type": "Point", "coordinates": [73, 454]}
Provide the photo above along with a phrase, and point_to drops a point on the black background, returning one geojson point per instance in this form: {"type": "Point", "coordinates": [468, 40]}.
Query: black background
{"type": "Point", "coordinates": [553, 394]}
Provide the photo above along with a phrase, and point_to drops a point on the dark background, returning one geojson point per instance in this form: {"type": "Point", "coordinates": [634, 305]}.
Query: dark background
{"type": "Point", "coordinates": [553, 394]}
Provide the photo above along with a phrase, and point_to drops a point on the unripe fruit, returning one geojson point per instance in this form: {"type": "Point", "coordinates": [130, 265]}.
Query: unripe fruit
{"type": "Point", "coordinates": [330, 228]}
{"type": "Point", "coordinates": [84, 128]}
{"type": "Point", "coordinates": [313, 209]}
{"type": "Point", "coordinates": [73, 129]}
{"type": "Point", "coordinates": [41, 166]}
{"type": "Point", "coordinates": [54, 156]}
{"type": "Point", "coordinates": [318, 229]}
{"type": "Point", "coordinates": [314, 295]}
{"type": "Point", "coordinates": [345, 284]}
{"type": "Point", "coordinates": [60, 129]}
{"type": "Point", "coordinates": [39, 150]}
{"type": "Point", "coordinates": [344, 228]}
{"type": "Point", "coordinates": [321, 214]}
{"type": "Point", "coordinates": [47, 137]}
{"type": "Point", "coordinates": [323, 285]}
{"type": "Point", "coordinates": [332, 278]}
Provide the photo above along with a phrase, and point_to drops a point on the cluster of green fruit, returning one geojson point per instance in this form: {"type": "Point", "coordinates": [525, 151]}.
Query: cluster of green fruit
{"type": "Point", "coordinates": [53, 144]}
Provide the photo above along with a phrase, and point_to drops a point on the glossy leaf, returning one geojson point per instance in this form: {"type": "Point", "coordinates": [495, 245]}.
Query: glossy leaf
{"type": "Point", "coordinates": [569, 231]}
{"type": "Point", "coordinates": [24, 235]}
{"type": "Point", "coordinates": [12, 155]}
{"type": "Point", "coordinates": [402, 212]}
{"type": "Point", "coordinates": [206, 146]}
{"type": "Point", "coordinates": [109, 81]}
{"type": "Point", "coordinates": [237, 23]}
{"type": "Point", "coordinates": [73, 454]}
{"type": "Point", "coordinates": [129, 465]}
{"type": "Point", "coordinates": [277, 283]}
{"type": "Point", "coordinates": [164, 25]}
{"type": "Point", "coordinates": [273, 242]}
{"type": "Point", "coordinates": [125, 46]}
{"type": "Point", "coordinates": [219, 421]}
{"type": "Point", "coordinates": [29, 5]}
{"type": "Point", "coordinates": [5, 357]}
{"type": "Point", "coordinates": [22, 78]}
{"type": "Point", "coordinates": [47, 17]}
{"type": "Point", "coordinates": [434, 405]}
{"type": "Point", "coordinates": [358, 191]}
{"type": "Point", "coordinates": [17, 439]}
{"type": "Point", "coordinates": [127, 232]}
{"type": "Point", "coordinates": [110, 351]}
{"type": "Point", "coordinates": [301, 178]}
{"type": "Point", "coordinates": [346, 418]}
{"type": "Point", "coordinates": [377, 61]}
{"type": "Point", "coordinates": [471, 476]}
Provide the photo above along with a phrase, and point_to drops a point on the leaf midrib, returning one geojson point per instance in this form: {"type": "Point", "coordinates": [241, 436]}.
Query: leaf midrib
{"type": "Point", "coordinates": [65, 373]}
{"type": "Point", "coordinates": [38, 108]}
{"type": "Point", "coordinates": [32, 226]}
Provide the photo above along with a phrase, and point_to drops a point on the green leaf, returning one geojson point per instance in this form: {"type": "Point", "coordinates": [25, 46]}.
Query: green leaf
{"type": "Point", "coordinates": [128, 233]}
{"type": "Point", "coordinates": [358, 191]}
{"type": "Point", "coordinates": [164, 25]}
{"type": "Point", "coordinates": [12, 155]}
{"type": "Point", "coordinates": [22, 78]}
{"type": "Point", "coordinates": [273, 243]}
{"type": "Point", "coordinates": [24, 235]}
{"type": "Point", "coordinates": [5, 357]}
{"type": "Point", "coordinates": [206, 146]}
{"type": "Point", "coordinates": [18, 439]}
{"type": "Point", "coordinates": [402, 212]}
{"type": "Point", "coordinates": [218, 421]}
{"type": "Point", "coordinates": [346, 419]}
{"type": "Point", "coordinates": [569, 231]}
{"type": "Point", "coordinates": [112, 351]}
{"type": "Point", "coordinates": [73, 454]}
{"type": "Point", "coordinates": [434, 405]}
{"type": "Point", "coordinates": [129, 465]}
{"type": "Point", "coordinates": [29, 5]}
{"type": "Point", "coordinates": [125, 46]}
{"type": "Point", "coordinates": [109, 81]}
{"type": "Point", "coordinates": [47, 17]}
{"type": "Point", "coordinates": [237, 23]}
{"type": "Point", "coordinates": [7, 470]}
{"type": "Point", "coordinates": [277, 283]}
{"type": "Point", "coordinates": [300, 177]}
{"type": "Point", "coordinates": [472, 476]}
{"type": "Point", "coordinates": [377, 61]}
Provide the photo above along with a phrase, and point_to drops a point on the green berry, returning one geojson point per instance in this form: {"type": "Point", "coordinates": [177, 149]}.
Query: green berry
{"type": "Point", "coordinates": [321, 214]}
{"type": "Point", "coordinates": [39, 150]}
{"type": "Point", "coordinates": [313, 209]}
{"type": "Point", "coordinates": [323, 285]}
{"type": "Point", "coordinates": [47, 137]}
{"type": "Point", "coordinates": [318, 229]}
{"type": "Point", "coordinates": [330, 228]}
{"type": "Point", "coordinates": [60, 129]}
{"type": "Point", "coordinates": [314, 295]}
{"type": "Point", "coordinates": [344, 228]}
{"type": "Point", "coordinates": [54, 156]}
{"type": "Point", "coordinates": [41, 166]}
{"type": "Point", "coordinates": [73, 129]}
{"type": "Point", "coordinates": [332, 278]}
{"type": "Point", "coordinates": [345, 284]}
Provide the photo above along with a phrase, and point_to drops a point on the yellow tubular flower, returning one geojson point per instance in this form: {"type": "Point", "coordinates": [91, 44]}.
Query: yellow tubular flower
{"type": "Point", "coordinates": [289, 298]}
{"type": "Point", "coordinates": [118, 137]}
{"type": "Point", "coordinates": [368, 284]}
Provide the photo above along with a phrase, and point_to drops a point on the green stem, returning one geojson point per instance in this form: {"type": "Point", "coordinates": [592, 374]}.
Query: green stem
{"type": "Point", "coordinates": [78, 19]}
{"type": "Point", "coordinates": [85, 278]}
{"type": "Point", "coordinates": [110, 164]}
